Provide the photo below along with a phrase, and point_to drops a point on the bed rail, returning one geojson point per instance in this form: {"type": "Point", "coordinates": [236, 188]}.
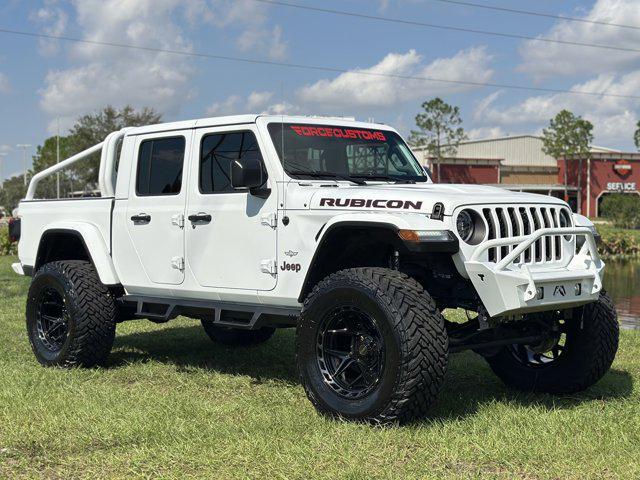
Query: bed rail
{"type": "Point", "coordinates": [106, 176]}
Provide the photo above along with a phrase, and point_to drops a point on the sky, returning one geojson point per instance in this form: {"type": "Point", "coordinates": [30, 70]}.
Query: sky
{"type": "Point", "coordinates": [46, 82]}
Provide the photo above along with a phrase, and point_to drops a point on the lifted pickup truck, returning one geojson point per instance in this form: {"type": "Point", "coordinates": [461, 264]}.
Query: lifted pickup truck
{"type": "Point", "coordinates": [249, 223]}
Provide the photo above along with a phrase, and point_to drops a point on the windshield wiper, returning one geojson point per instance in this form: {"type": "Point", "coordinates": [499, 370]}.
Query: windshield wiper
{"type": "Point", "coordinates": [320, 174]}
{"type": "Point", "coordinates": [385, 177]}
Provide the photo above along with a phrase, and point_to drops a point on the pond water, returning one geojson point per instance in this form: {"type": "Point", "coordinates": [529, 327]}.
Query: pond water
{"type": "Point", "coordinates": [622, 282]}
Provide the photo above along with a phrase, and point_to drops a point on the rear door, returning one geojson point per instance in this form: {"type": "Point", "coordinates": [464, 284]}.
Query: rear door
{"type": "Point", "coordinates": [230, 233]}
{"type": "Point", "coordinates": [155, 209]}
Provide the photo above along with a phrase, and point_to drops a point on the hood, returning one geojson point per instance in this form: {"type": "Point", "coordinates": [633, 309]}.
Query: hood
{"type": "Point", "coordinates": [419, 198]}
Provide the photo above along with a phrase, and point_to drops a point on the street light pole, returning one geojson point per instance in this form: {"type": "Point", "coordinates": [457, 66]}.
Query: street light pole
{"type": "Point", "coordinates": [58, 159]}
{"type": "Point", "coordinates": [24, 147]}
{"type": "Point", "coordinates": [2, 155]}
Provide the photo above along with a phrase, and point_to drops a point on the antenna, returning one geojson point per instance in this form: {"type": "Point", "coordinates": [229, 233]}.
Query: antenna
{"type": "Point", "coordinates": [282, 161]}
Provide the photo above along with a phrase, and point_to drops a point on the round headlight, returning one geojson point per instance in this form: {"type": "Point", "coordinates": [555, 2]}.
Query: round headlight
{"type": "Point", "coordinates": [464, 225]}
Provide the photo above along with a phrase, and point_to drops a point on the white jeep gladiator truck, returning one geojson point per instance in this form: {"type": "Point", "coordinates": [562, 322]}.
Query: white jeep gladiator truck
{"type": "Point", "coordinates": [331, 226]}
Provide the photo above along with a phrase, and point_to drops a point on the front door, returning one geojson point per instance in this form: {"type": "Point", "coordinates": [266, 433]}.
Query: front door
{"type": "Point", "coordinates": [230, 233]}
{"type": "Point", "coordinates": [155, 209]}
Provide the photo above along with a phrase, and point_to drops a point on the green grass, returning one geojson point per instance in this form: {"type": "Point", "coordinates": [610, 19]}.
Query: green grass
{"type": "Point", "coordinates": [171, 404]}
{"type": "Point", "coordinates": [618, 243]}
{"type": "Point", "coordinates": [608, 229]}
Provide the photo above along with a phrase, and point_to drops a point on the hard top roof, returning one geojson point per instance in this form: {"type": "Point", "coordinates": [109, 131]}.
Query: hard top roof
{"type": "Point", "coordinates": [249, 118]}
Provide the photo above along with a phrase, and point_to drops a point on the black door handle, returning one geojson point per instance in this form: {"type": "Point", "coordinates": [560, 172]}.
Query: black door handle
{"type": "Point", "coordinates": [200, 218]}
{"type": "Point", "coordinates": [141, 218]}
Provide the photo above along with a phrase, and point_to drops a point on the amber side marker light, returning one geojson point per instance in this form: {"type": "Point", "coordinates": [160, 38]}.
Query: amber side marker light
{"type": "Point", "coordinates": [425, 235]}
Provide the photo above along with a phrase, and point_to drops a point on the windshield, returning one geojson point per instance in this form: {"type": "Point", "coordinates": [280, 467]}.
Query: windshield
{"type": "Point", "coordinates": [317, 150]}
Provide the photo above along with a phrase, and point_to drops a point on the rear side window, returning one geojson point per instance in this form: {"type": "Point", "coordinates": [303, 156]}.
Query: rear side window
{"type": "Point", "coordinates": [160, 166]}
{"type": "Point", "coordinates": [218, 151]}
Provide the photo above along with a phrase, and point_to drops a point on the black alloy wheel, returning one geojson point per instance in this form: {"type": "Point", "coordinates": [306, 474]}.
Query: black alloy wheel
{"type": "Point", "coordinates": [577, 352]}
{"type": "Point", "coordinates": [350, 351]}
{"type": "Point", "coordinates": [52, 320]}
{"type": "Point", "coordinates": [71, 315]}
{"type": "Point", "coordinates": [544, 353]}
{"type": "Point", "coordinates": [371, 346]}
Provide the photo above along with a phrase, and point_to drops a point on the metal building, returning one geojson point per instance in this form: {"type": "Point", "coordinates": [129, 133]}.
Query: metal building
{"type": "Point", "coordinates": [518, 163]}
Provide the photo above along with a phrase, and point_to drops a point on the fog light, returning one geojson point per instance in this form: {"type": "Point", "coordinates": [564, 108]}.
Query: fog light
{"type": "Point", "coordinates": [578, 289]}
{"type": "Point", "coordinates": [540, 293]}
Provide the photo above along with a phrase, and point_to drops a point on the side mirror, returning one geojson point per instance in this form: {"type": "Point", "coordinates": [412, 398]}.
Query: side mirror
{"type": "Point", "coordinates": [247, 173]}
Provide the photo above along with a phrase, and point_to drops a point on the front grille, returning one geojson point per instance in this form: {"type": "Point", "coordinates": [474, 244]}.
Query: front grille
{"type": "Point", "coordinates": [515, 221]}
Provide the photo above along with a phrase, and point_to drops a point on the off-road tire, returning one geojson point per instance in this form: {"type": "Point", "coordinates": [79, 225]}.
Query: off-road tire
{"type": "Point", "coordinates": [237, 337]}
{"type": "Point", "coordinates": [412, 330]}
{"type": "Point", "coordinates": [591, 345]}
{"type": "Point", "coordinates": [91, 314]}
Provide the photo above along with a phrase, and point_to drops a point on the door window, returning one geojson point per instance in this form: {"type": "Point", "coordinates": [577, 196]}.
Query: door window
{"type": "Point", "coordinates": [217, 152]}
{"type": "Point", "coordinates": [160, 162]}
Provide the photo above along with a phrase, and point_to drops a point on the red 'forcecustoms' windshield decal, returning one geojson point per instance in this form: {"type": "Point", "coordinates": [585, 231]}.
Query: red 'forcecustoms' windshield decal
{"type": "Point", "coordinates": [305, 131]}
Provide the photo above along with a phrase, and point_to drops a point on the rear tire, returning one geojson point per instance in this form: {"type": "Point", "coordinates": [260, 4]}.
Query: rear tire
{"type": "Point", "coordinates": [71, 315]}
{"type": "Point", "coordinates": [588, 352]}
{"type": "Point", "coordinates": [371, 346]}
{"type": "Point", "coordinates": [237, 337]}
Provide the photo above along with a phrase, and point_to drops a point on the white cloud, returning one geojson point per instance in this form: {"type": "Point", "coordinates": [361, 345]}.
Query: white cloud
{"type": "Point", "coordinates": [255, 102]}
{"type": "Point", "coordinates": [267, 41]}
{"type": "Point", "coordinates": [4, 83]}
{"type": "Point", "coordinates": [613, 117]}
{"type": "Point", "coordinates": [250, 15]}
{"type": "Point", "coordinates": [369, 87]}
{"type": "Point", "coordinates": [283, 108]}
{"type": "Point", "coordinates": [230, 106]}
{"type": "Point", "coordinates": [101, 75]}
{"type": "Point", "coordinates": [614, 129]}
{"type": "Point", "coordinates": [199, 11]}
{"type": "Point", "coordinates": [486, 132]}
{"type": "Point", "coordinates": [54, 20]}
{"type": "Point", "coordinates": [543, 59]}
{"type": "Point", "coordinates": [350, 90]}
{"type": "Point", "coordinates": [106, 75]}
{"type": "Point", "coordinates": [227, 12]}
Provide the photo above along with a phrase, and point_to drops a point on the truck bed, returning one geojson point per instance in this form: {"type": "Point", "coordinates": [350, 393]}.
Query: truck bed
{"type": "Point", "coordinates": [38, 216]}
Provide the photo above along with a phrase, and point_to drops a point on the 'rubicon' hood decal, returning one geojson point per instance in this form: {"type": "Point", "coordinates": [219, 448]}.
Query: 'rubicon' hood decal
{"type": "Point", "coordinates": [370, 203]}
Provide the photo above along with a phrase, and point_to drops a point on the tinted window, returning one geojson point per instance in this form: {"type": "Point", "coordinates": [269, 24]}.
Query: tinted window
{"type": "Point", "coordinates": [160, 166]}
{"type": "Point", "coordinates": [217, 153]}
{"type": "Point", "coordinates": [361, 152]}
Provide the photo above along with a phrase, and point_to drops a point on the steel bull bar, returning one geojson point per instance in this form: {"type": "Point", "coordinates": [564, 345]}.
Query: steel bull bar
{"type": "Point", "coordinates": [506, 285]}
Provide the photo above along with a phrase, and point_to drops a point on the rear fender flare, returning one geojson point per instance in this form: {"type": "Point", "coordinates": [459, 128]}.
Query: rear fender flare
{"type": "Point", "coordinates": [94, 244]}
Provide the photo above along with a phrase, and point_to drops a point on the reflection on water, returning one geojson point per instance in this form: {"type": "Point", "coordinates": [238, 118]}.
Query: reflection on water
{"type": "Point", "coordinates": [622, 282]}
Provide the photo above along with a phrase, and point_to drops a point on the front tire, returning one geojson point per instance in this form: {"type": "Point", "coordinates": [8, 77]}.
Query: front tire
{"type": "Point", "coordinates": [71, 315]}
{"type": "Point", "coordinates": [371, 346]}
{"type": "Point", "coordinates": [586, 346]}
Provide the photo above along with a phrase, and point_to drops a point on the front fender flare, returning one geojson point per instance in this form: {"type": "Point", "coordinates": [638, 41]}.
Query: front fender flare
{"type": "Point", "coordinates": [94, 244]}
{"type": "Point", "coordinates": [367, 220]}
{"type": "Point", "coordinates": [377, 220]}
